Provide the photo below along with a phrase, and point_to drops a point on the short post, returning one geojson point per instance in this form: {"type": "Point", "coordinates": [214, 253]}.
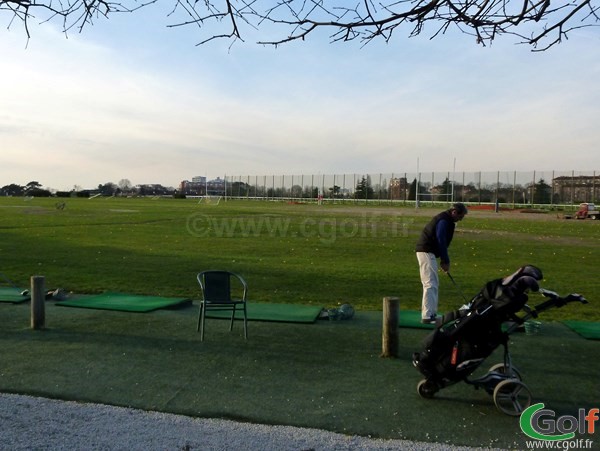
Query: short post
{"type": "Point", "coordinates": [38, 299]}
{"type": "Point", "coordinates": [391, 327]}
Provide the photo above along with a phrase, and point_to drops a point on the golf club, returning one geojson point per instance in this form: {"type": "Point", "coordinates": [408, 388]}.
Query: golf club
{"type": "Point", "coordinates": [457, 288]}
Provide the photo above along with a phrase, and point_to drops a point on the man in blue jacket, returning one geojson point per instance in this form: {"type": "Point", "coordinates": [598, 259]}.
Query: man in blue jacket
{"type": "Point", "coordinates": [433, 244]}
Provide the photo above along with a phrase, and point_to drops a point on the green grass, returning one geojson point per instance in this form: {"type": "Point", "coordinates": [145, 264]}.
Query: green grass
{"type": "Point", "coordinates": [305, 253]}
{"type": "Point", "coordinates": [327, 375]}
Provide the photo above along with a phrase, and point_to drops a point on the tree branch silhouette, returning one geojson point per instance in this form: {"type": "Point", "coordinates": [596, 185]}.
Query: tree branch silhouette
{"type": "Point", "coordinates": [538, 23]}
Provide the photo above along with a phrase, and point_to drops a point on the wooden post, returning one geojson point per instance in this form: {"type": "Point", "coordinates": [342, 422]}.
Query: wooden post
{"type": "Point", "coordinates": [38, 300]}
{"type": "Point", "coordinates": [391, 327]}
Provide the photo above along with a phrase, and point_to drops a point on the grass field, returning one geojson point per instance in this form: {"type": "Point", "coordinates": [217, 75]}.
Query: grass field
{"type": "Point", "coordinates": [288, 253]}
{"type": "Point", "coordinates": [326, 375]}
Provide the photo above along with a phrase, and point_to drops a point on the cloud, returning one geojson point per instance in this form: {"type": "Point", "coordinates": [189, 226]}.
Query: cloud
{"type": "Point", "coordinates": [86, 111]}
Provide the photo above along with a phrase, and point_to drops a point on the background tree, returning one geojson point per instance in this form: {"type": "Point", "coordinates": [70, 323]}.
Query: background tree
{"type": "Point", "coordinates": [39, 192]}
{"type": "Point", "coordinates": [310, 192]}
{"type": "Point", "coordinates": [412, 191]}
{"type": "Point", "coordinates": [296, 191]}
{"type": "Point", "coordinates": [125, 185]}
{"type": "Point", "coordinates": [334, 191]}
{"type": "Point", "coordinates": [240, 189]}
{"type": "Point", "coordinates": [12, 190]}
{"type": "Point", "coordinates": [444, 190]}
{"type": "Point", "coordinates": [34, 189]}
{"type": "Point", "coordinates": [363, 189]}
{"type": "Point", "coordinates": [32, 186]}
{"type": "Point", "coordinates": [539, 23]}
{"type": "Point", "coordinates": [108, 189]}
{"type": "Point", "coordinates": [542, 193]}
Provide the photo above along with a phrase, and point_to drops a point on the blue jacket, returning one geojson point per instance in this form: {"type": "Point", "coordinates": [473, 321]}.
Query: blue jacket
{"type": "Point", "coordinates": [437, 236]}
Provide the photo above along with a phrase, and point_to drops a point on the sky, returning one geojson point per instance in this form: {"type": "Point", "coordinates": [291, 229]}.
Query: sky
{"type": "Point", "coordinates": [129, 98]}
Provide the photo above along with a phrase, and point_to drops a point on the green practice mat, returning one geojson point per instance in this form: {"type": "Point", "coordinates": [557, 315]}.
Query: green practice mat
{"type": "Point", "coordinates": [123, 302]}
{"type": "Point", "coordinates": [286, 313]}
{"type": "Point", "coordinates": [586, 329]}
{"type": "Point", "coordinates": [12, 295]}
{"type": "Point", "coordinates": [412, 318]}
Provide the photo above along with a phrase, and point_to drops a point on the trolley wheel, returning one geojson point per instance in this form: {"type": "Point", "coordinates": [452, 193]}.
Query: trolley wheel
{"type": "Point", "coordinates": [426, 388]}
{"type": "Point", "coordinates": [501, 368]}
{"type": "Point", "coordinates": [512, 397]}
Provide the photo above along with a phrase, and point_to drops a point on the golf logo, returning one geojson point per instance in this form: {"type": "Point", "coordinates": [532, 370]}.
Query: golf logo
{"type": "Point", "coordinates": [541, 424]}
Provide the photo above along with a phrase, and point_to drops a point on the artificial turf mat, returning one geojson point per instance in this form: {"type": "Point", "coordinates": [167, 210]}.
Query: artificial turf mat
{"type": "Point", "coordinates": [412, 318]}
{"type": "Point", "coordinates": [586, 329]}
{"type": "Point", "coordinates": [287, 313]}
{"type": "Point", "coordinates": [328, 376]}
{"type": "Point", "coordinates": [124, 302]}
{"type": "Point", "coordinates": [12, 295]}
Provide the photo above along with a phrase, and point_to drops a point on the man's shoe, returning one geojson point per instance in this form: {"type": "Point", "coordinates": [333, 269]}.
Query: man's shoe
{"type": "Point", "coordinates": [433, 319]}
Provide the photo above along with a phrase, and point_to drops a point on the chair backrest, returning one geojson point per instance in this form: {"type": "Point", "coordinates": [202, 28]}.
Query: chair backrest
{"type": "Point", "coordinates": [216, 286]}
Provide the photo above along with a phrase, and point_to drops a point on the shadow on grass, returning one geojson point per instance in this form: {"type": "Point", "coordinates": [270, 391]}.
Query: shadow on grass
{"type": "Point", "coordinates": [326, 375]}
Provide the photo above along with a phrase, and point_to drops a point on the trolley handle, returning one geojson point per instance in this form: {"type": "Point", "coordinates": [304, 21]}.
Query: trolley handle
{"type": "Point", "coordinates": [549, 293]}
{"type": "Point", "coordinates": [556, 301]}
{"type": "Point", "coordinates": [573, 297]}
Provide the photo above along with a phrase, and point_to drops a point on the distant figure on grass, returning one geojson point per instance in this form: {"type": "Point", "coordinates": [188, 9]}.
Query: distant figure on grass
{"type": "Point", "coordinates": [433, 244]}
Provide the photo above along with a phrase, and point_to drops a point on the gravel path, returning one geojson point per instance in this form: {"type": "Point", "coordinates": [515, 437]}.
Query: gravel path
{"type": "Point", "coordinates": [29, 423]}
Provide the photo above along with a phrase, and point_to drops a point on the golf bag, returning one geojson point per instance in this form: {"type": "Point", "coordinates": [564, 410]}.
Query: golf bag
{"type": "Point", "coordinates": [469, 335]}
{"type": "Point", "coordinates": [466, 337]}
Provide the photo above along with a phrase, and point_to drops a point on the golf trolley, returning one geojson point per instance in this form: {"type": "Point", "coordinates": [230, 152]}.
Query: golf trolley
{"type": "Point", "coordinates": [465, 338]}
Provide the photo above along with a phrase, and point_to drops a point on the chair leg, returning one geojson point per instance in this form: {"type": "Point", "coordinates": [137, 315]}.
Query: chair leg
{"type": "Point", "coordinates": [201, 320]}
{"type": "Point", "coordinates": [245, 323]}
{"type": "Point", "coordinates": [232, 318]}
{"type": "Point", "coordinates": [199, 317]}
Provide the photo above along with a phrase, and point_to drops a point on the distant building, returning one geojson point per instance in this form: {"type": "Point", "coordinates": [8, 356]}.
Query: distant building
{"type": "Point", "coordinates": [399, 188]}
{"type": "Point", "coordinates": [194, 188]}
{"type": "Point", "coordinates": [576, 189]}
{"type": "Point", "coordinates": [215, 187]}
{"type": "Point", "coordinates": [200, 186]}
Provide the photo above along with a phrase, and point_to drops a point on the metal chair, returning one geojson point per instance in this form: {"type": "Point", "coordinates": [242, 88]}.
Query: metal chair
{"type": "Point", "coordinates": [217, 291]}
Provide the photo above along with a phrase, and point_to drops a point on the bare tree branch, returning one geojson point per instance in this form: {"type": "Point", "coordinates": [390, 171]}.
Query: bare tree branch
{"type": "Point", "coordinates": [71, 13]}
{"type": "Point", "coordinates": [538, 23]}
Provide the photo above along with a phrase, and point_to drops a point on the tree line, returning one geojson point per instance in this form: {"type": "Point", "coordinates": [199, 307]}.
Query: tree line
{"type": "Point", "coordinates": [536, 193]}
{"type": "Point", "coordinates": [400, 189]}
{"type": "Point", "coordinates": [124, 187]}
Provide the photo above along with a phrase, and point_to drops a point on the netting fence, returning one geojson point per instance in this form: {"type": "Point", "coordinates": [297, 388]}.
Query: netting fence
{"type": "Point", "coordinates": [511, 189]}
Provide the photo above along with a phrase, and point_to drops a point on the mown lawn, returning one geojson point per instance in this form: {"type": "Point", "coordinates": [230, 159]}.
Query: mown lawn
{"type": "Point", "coordinates": [289, 253]}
